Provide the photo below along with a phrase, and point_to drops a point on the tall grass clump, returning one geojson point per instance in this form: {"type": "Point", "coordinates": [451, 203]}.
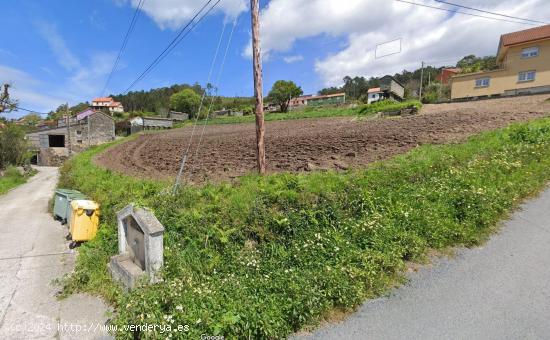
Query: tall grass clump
{"type": "Point", "coordinates": [388, 105]}
{"type": "Point", "coordinates": [266, 256]}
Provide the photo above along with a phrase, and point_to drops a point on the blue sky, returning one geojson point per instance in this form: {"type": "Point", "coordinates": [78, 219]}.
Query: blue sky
{"type": "Point", "coordinates": [57, 51]}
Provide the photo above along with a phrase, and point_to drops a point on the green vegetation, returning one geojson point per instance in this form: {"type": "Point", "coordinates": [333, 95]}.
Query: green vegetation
{"type": "Point", "coordinates": [282, 91]}
{"type": "Point", "coordinates": [10, 179]}
{"type": "Point", "coordinates": [317, 112]}
{"type": "Point", "coordinates": [13, 146]}
{"type": "Point", "coordinates": [264, 257]}
{"type": "Point", "coordinates": [186, 100]}
{"type": "Point", "coordinates": [388, 105]}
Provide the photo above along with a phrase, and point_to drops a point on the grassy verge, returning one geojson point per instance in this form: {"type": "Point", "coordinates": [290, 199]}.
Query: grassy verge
{"type": "Point", "coordinates": [12, 178]}
{"type": "Point", "coordinates": [317, 112]}
{"type": "Point", "coordinates": [263, 258]}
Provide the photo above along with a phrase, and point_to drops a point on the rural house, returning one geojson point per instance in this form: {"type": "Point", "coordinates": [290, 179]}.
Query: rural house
{"type": "Point", "coordinates": [524, 68]}
{"type": "Point", "coordinates": [374, 95]}
{"type": "Point", "coordinates": [107, 103]}
{"type": "Point", "coordinates": [391, 88]}
{"type": "Point", "coordinates": [310, 100]}
{"type": "Point", "coordinates": [138, 124]}
{"type": "Point", "coordinates": [445, 76]}
{"type": "Point", "coordinates": [86, 129]}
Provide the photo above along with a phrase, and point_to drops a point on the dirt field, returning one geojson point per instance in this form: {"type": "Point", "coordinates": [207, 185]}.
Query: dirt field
{"type": "Point", "coordinates": [227, 151]}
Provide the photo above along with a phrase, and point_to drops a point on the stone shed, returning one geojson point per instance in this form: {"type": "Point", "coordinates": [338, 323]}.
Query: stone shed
{"type": "Point", "coordinates": [86, 129]}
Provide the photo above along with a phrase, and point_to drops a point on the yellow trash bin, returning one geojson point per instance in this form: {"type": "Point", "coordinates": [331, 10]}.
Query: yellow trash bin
{"type": "Point", "coordinates": [84, 220]}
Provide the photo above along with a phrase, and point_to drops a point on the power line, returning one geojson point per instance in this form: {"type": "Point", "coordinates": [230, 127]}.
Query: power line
{"type": "Point", "coordinates": [459, 12]}
{"type": "Point", "coordinates": [17, 108]}
{"type": "Point", "coordinates": [489, 12]}
{"type": "Point", "coordinates": [217, 84]}
{"type": "Point", "coordinates": [124, 43]}
{"type": "Point", "coordinates": [185, 155]}
{"type": "Point", "coordinates": [191, 24]}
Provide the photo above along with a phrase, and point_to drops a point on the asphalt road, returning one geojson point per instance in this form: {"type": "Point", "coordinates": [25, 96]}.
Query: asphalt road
{"type": "Point", "coordinates": [34, 252]}
{"type": "Point", "coordinates": [498, 291]}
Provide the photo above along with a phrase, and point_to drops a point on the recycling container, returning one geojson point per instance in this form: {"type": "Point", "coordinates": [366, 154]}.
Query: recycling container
{"type": "Point", "coordinates": [84, 220]}
{"type": "Point", "coordinates": [63, 199]}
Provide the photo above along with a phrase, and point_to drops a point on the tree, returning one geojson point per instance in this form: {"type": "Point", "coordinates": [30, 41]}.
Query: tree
{"type": "Point", "coordinates": [6, 104]}
{"type": "Point", "coordinates": [13, 146]}
{"type": "Point", "coordinates": [186, 100]}
{"type": "Point", "coordinates": [282, 91]}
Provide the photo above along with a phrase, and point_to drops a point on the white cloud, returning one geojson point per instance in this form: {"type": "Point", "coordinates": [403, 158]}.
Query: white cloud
{"type": "Point", "coordinates": [174, 13]}
{"type": "Point", "coordinates": [82, 79]}
{"type": "Point", "coordinates": [58, 46]}
{"type": "Point", "coordinates": [293, 59]}
{"type": "Point", "coordinates": [427, 34]}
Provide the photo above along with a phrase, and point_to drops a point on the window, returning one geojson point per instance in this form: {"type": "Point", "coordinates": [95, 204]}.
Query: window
{"type": "Point", "coordinates": [79, 141]}
{"type": "Point", "coordinates": [78, 132]}
{"type": "Point", "coordinates": [526, 76]}
{"type": "Point", "coordinates": [483, 82]}
{"type": "Point", "coordinates": [56, 141]}
{"type": "Point", "coordinates": [530, 52]}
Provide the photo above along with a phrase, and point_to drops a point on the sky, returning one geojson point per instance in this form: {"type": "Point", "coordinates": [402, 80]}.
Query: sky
{"type": "Point", "coordinates": [56, 51]}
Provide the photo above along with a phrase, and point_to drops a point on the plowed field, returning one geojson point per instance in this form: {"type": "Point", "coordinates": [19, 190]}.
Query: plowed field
{"type": "Point", "coordinates": [227, 151]}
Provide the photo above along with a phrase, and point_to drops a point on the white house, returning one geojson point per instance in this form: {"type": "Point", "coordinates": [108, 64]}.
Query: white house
{"type": "Point", "coordinates": [107, 103]}
{"type": "Point", "coordinates": [374, 95]}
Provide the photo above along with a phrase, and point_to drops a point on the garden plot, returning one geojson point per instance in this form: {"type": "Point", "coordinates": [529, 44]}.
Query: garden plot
{"type": "Point", "coordinates": [227, 151]}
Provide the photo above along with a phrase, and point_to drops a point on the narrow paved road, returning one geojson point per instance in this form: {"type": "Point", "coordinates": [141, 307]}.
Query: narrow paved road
{"type": "Point", "coordinates": [33, 252]}
{"type": "Point", "coordinates": [498, 291]}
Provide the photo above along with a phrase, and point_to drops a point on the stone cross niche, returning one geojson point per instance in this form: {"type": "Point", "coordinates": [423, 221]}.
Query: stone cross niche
{"type": "Point", "coordinates": [140, 247]}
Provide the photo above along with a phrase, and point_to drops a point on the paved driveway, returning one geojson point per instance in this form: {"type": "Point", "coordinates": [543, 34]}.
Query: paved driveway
{"type": "Point", "coordinates": [498, 291]}
{"type": "Point", "coordinates": [33, 252]}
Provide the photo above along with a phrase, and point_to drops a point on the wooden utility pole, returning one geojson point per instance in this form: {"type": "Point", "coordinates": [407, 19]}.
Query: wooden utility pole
{"type": "Point", "coordinates": [421, 79]}
{"type": "Point", "coordinates": [68, 122]}
{"type": "Point", "coordinates": [258, 91]}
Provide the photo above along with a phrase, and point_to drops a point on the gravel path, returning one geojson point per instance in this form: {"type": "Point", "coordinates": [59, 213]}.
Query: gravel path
{"type": "Point", "coordinates": [33, 252]}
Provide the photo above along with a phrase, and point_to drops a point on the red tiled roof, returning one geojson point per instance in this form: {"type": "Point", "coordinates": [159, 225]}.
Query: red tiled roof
{"type": "Point", "coordinates": [537, 33]}
{"type": "Point", "coordinates": [374, 90]}
{"type": "Point", "coordinates": [103, 99]}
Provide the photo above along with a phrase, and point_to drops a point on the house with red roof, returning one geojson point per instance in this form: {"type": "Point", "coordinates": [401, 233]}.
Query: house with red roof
{"type": "Point", "coordinates": [445, 76]}
{"type": "Point", "coordinates": [107, 104]}
{"type": "Point", "coordinates": [524, 68]}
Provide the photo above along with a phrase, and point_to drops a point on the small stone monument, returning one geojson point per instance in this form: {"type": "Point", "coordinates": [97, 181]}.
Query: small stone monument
{"type": "Point", "coordinates": [140, 247]}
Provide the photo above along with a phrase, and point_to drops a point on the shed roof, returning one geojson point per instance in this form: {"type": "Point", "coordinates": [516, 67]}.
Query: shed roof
{"type": "Point", "coordinates": [374, 90]}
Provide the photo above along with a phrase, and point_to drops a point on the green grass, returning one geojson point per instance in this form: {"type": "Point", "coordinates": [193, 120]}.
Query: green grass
{"type": "Point", "coordinates": [315, 112]}
{"type": "Point", "coordinates": [266, 256]}
{"type": "Point", "coordinates": [387, 105]}
{"type": "Point", "coordinates": [11, 179]}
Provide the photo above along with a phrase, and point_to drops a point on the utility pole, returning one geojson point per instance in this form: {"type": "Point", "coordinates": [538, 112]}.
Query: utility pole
{"type": "Point", "coordinates": [258, 91]}
{"type": "Point", "coordinates": [68, 122]}
{"type": "Point", "coordinates": [421, 78]}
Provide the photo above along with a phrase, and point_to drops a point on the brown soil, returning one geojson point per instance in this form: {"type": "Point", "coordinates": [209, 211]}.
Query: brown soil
{"type": "Point", "coordinates": [228, 151]}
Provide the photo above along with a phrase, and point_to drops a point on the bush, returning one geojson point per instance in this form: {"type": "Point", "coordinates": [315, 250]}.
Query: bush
{"type": "Point", "coordinates": [13, 146]}
{"type": "Point", "coordinates": [388, 105]}
{"type": "Point", "coordinates": [186, 101]}
{"type": "Point", "coordinates": [265, 256]}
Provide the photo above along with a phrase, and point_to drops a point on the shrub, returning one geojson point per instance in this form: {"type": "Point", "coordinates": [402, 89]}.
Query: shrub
{"type": "Point", "coordinates": [13, 146]}
{"type": "Point", "coordinates": [387, 105]}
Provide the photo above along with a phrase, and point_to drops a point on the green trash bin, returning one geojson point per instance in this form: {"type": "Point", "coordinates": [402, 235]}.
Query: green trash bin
{"type": "Point", "coordinates": [62, 204]}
